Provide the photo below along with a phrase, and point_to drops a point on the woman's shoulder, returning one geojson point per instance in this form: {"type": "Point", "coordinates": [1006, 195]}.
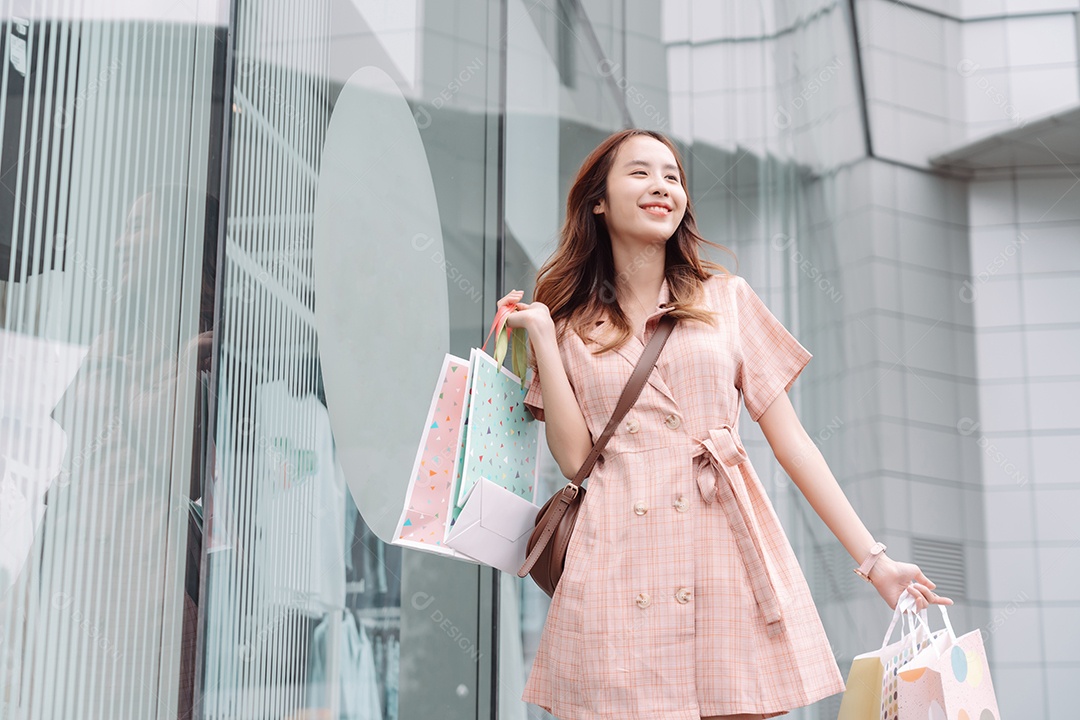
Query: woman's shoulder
{"type": "Point", "coordinates": [724, 279]}
{"type": "Point", "coordinates": [566, 335]}
{"type": "Point", "coordinates": [722, 286]}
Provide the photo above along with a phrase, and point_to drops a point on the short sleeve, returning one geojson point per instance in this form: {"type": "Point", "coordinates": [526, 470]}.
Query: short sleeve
{"type": "Point", "coordinates": [534, 400]}
{"type": "Point", "coordinates": [770, 357]}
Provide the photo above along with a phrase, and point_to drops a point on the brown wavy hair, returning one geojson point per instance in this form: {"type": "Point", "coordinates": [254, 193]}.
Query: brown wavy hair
{"type": "Point", "coordinates": [577, 283]}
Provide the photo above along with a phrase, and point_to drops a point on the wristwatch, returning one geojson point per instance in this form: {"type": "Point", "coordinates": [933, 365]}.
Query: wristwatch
{"type": "Point", "coordinates": [863, 570]}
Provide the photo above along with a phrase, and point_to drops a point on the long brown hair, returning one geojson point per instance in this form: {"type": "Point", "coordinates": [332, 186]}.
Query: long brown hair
{"type": "Point", "coordinates": [577, 283]}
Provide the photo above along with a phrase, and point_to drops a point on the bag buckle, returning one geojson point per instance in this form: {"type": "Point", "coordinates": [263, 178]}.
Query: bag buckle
{"type": "Point", "coordinates": [573, 490]}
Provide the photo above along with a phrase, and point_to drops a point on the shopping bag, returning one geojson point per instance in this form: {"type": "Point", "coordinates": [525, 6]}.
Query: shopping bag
{"type": "Point", "coordinates": [423, 520]}
{"type": "Point", "coordinates": [868, 694]}
{"type": "Point", "coordinates": [501, 437]}
{"type": "Point", "coordinates": [494, 526]}
{"type": "Point", "coordinates": [949, 680]}
{"type": "Point", "coordinates": [441, 458]}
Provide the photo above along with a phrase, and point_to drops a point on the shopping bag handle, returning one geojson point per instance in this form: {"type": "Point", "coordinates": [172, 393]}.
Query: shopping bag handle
{"type": "Point", "coordinates": [944, 616]}
{"type": "Point", "coordinates": [905, 606]}
{"type": "Point", "coordinates": [504, 334]}
{"type": "Point", "coordinates": [497, 327]}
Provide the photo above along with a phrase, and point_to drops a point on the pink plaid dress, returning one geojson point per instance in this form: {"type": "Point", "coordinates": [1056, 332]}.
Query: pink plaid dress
{"type": "Point", "coordinates": [681, 597]}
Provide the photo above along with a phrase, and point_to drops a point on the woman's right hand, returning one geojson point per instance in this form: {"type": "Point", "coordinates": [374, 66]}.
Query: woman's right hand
{"type": "Point", "coordinates": [533, 317]}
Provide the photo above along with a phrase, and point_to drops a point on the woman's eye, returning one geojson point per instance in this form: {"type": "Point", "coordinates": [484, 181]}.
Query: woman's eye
{"type": "Point", "coordinates": [673, 177]}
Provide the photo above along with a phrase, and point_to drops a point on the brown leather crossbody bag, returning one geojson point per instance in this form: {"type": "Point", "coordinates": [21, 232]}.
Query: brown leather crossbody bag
{"type": "Point", "coordinates": [546, 548]}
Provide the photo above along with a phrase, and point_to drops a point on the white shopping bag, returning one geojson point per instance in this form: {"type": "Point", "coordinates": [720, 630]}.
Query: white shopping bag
{"type": "Point", "coordinates": [494, 526]}
{"type": "Point", "coordinates": [871, 681]}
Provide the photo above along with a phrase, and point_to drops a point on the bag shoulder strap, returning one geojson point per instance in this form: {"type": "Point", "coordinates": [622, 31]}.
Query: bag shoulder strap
{"type": "Point", "coordinates": [629, 396]}
{"type": "Point", "coordinates": [630, 393]}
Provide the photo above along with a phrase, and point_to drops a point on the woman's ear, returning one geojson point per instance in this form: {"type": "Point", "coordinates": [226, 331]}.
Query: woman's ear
{"type": "Point", "coordinates": [598, 208]}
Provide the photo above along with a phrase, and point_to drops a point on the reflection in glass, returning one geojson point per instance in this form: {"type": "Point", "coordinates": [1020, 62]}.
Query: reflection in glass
{"type": "Point", "coordinates": [103, 337]}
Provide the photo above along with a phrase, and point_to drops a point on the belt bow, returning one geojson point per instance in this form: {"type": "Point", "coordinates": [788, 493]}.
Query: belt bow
{"type": "Point", "coordinates": [719, 457]}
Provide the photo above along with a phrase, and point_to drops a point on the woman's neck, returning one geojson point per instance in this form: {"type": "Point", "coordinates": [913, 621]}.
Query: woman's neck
{"type": "Point", "coordinates": [639, 273]}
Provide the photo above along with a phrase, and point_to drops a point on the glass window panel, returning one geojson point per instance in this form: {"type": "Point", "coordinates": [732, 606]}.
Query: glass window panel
{"type": "Point", "coordinates": [106, 197]}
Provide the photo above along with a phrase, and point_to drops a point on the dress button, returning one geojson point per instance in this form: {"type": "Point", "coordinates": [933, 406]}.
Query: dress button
{"type": "Point", "coordinates": [681, 505]}
{"type": "Point", "coordinates": [673, 421]}
{"type": "Point", "coordinates": [643, 600]}
{"type": "Point", "coordinates": [632, 425]}
{"type": "Point", "coordinates": [641, 507]}
{"type": "Point", "coordinates": [683, 595]}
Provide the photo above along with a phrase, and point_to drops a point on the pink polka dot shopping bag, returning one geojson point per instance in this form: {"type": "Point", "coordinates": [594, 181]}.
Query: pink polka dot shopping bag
{"type": "Point", "coordinates": [948, 680]}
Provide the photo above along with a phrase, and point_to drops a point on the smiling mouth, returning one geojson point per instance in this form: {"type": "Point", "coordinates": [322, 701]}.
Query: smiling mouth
{"type": "Point", "coordinates": [657, 210]}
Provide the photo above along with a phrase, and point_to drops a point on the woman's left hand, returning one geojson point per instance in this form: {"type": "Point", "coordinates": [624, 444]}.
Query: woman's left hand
{"type": "Point", "coordinates": [892, 578]}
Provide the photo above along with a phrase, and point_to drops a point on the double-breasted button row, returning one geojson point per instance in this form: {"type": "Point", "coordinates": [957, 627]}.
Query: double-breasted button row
{"type": "Point", "coordinates": [681, 505]}
{"type": "Point", "coordinates": [633, 425]}
{"type": "Point", "coordinates": [682, 596]}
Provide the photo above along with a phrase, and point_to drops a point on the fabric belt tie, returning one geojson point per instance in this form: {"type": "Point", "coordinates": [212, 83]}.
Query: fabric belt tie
{"type": "Point", "coordinates": [718, 473]}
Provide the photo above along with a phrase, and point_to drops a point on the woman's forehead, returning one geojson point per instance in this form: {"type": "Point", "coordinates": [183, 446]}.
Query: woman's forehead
{"type": "Point", "coordinates": [644, 149]}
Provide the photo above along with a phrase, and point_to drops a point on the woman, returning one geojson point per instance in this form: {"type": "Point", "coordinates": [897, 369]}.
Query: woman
{"type": "Point", "coordinates": [681, 596]}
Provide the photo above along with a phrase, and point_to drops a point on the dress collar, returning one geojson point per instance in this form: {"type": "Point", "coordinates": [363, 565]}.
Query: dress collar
{"type": "Point", "coordinates": [632, 349]}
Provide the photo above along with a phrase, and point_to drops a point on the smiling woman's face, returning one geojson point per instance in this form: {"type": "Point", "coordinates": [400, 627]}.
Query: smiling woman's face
{"type": "Point", "coordinates": [645, 197]}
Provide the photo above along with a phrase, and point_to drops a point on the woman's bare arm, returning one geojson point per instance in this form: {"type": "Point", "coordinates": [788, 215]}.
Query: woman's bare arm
{"type": "Point", "coordinates": [568, 436]}
{"type": "Point", "coordinates": [804, 463]}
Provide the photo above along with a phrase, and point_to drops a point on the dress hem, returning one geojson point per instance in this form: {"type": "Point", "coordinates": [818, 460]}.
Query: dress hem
{"type": "Point", "coordinates": [808, 698]}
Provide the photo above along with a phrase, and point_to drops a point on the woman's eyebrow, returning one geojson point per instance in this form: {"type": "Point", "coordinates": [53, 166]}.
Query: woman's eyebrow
{"type": "Point", "coordinates": [667, 166]}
